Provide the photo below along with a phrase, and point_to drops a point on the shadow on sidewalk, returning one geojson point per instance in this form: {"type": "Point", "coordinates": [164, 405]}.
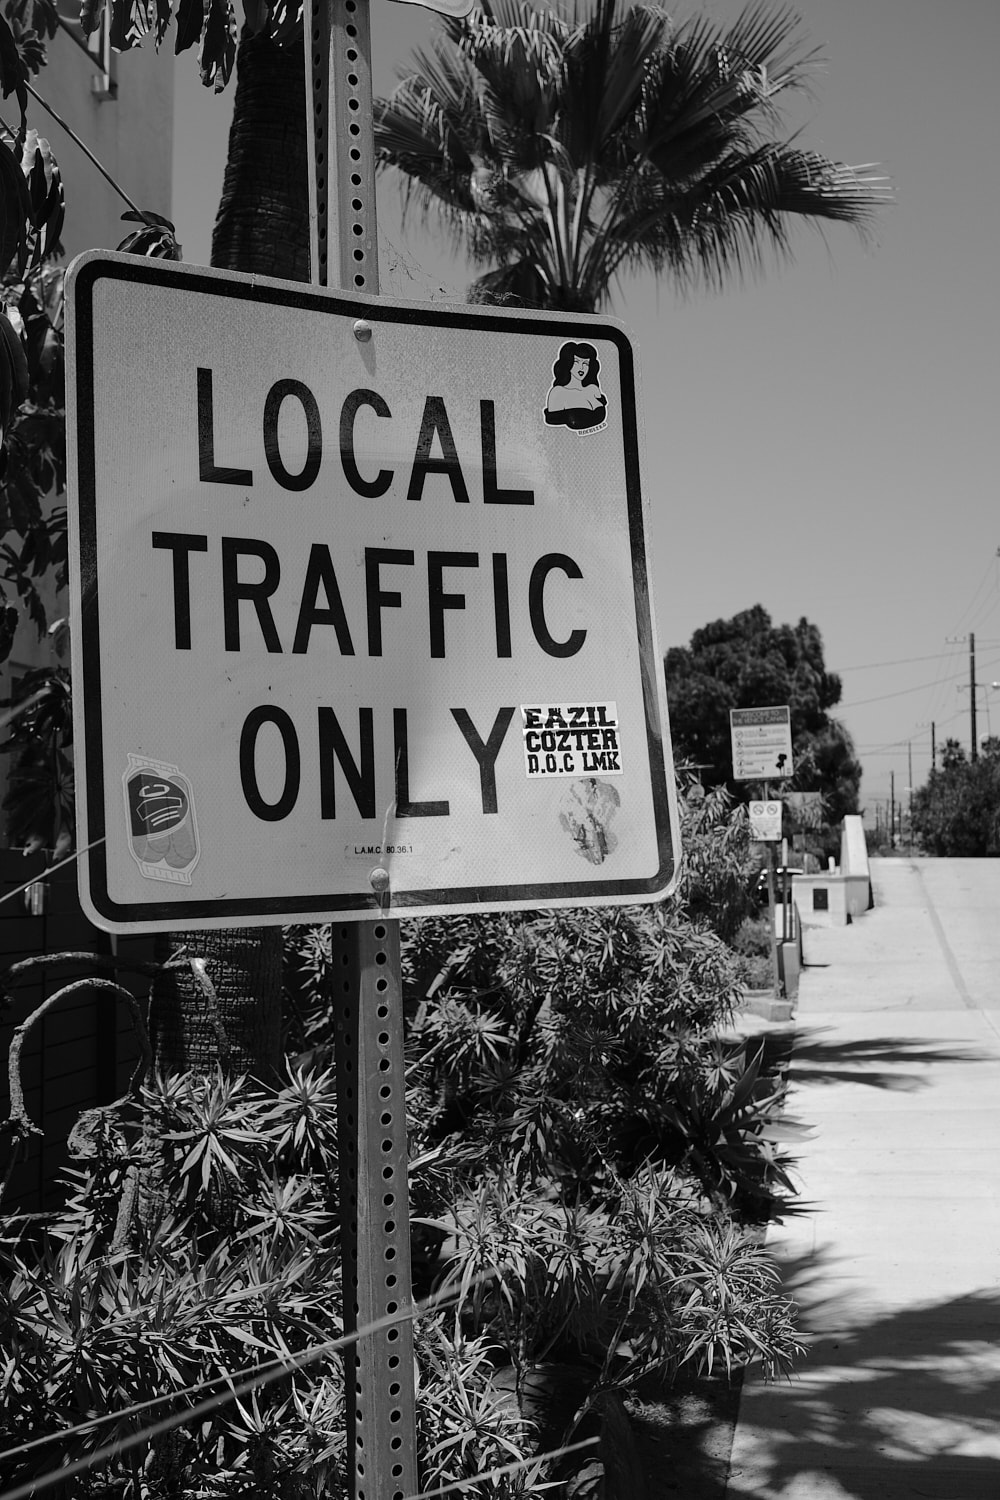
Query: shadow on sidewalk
{"type": "Point", "coordinates": [904, 1405]}
{"type": "Point", "coordinates": [874, 1061]}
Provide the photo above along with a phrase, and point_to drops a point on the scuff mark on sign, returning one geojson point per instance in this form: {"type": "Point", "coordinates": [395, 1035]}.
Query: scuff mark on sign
{"type": "Point", "coordinates": [585, 812]}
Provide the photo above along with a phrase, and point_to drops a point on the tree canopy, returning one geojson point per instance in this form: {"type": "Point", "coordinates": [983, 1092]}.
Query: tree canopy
{"type": "Point", "coordinates": [957, 811]}
{"type": "Point", "coordinates": [749, 662]}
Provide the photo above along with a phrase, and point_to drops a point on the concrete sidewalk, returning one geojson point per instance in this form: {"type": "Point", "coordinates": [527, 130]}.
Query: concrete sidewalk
{"type": "Point", "coordinates": [896, 1268]}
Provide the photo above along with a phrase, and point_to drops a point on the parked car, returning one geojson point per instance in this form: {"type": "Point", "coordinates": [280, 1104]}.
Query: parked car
{"type": "Point", "coordinates": [760, 886]}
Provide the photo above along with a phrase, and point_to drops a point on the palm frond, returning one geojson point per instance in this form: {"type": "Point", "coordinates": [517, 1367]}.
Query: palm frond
{"type": "Point", "coordinates": [610, 138]}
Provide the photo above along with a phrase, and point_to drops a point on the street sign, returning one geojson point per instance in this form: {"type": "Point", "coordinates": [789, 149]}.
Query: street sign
{"type": "Point", "coordinates": [765, 821]}
{"type": "Point", "coordinates": [762, 743]}
{"type": "Point", "coordinates": [358, 587]}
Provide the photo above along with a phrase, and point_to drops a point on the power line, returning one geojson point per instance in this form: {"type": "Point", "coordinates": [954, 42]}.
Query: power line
{"type": "Point", "coordinates": [990, 568]}
{"type": "Point", "coordinates": [901, 692]}
{"type": "Point", "coordinates": [900, 661]}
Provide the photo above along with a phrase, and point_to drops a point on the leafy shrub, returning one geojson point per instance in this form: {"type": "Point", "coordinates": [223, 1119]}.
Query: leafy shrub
{"type": "Point", "coordinates": [715, 888]}
{"type": "Point", "coordinates": [752, 939]}
{"type": "Point", "coordinates": [108, 1312]}
{"type": "Point", "coordinates": [564, 1046]}
{"type": "Point", "coordinates": [466, 1424]}
{"type": "Point", "coordinates": [641, 1279]}
{"type": "Point", "coordinates": [583, 1143]}
{"type": "Point", "coordinates": [751, 943]}
{"type": "Point", "coordinates": [232, 1265]}
{"type": "Point", "coordinates": [756, 973]}
{"type": "Point", "coordinates": [308, 973]}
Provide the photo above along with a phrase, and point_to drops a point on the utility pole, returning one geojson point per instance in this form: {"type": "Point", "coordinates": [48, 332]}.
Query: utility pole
{"type": "Point", "coordinates": [892, 809]}
{"type": "Point", "coordinates": [909, 766]}
{"type": "Point", "coordinates": [958, 640]}
{"type": "Point", "coordinates": [973, 755]}
{"type": "Point", "coordinates": [772, 901]}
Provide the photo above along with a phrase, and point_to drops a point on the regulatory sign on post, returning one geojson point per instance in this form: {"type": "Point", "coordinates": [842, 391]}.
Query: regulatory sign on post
{"type": "Point", "coordinates": [357, 586]}
{"type": "Point", "coordinates": [765, 821]}
{"type": "Point", "coordinates": [762, 743]}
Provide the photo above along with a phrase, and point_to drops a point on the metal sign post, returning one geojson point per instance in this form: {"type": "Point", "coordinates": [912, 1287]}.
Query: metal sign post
{"type": "Point", "coordinates": [368, 991]}
{"type": "Point", "coordinates": [772, 882]}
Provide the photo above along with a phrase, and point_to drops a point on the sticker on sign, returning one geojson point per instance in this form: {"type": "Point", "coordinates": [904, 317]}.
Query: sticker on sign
{"type": "Point", "coordinates": [349, 604]}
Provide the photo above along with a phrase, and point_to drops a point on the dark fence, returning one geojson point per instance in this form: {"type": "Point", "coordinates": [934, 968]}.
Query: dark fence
{"type": "Point", "coordinates": [84, 1050]}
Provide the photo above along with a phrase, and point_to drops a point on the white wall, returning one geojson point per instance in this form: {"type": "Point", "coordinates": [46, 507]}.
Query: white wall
{"type": "Point", "coordinates": [131, 135]}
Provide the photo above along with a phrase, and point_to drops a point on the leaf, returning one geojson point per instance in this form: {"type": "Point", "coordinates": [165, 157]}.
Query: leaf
{"type": "Point", "coordinates": [744, 1089]}
{"type": "Point", "coordinates": [39, 16]}
{"type": "Point", "coordinates": [90, 15]}
{"type": "Point", "coordinates": [156, 238]}
{"type": "Point", "coordinates": [162, 24]}
{"type": "Point", "coordinates": [13, 73]}
{"type": "Point", "coordinates": [30, 46]}
{"type": "Point", "coordinates": [15, 211]}
{"type": "Point", "coordinates": [13, 351]}
{"type": "Point", "coordinates": [129, 24]}
{"type": "Point", "coordinates": [146, 216]}
{"type": "Point", "coordinates": [218, 48]}
{"type": "Point", "coordinates": [190, 19]}
{"type": "Point", "coordinates": [8, 627]}
{"type": "Point", "coordinates": [51, 221]}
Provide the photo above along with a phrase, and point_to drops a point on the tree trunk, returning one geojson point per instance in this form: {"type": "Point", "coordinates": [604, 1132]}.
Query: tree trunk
{"type": "Point", "coordinates": [220, 1004]}
{"type": "Point", "coordinates": [220, 1001]}
{"type": "Point", "coordinates": [263, 220]}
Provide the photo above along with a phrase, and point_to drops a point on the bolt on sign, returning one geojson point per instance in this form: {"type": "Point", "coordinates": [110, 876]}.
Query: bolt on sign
{"type": "Point", "coordinates": [357, 586]}
{"type": "Point", "coordinates": [761, 743]}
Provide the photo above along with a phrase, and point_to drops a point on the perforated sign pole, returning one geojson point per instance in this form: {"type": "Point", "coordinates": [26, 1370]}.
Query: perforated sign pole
{"type": "Point", "coordinates": [367, 989]}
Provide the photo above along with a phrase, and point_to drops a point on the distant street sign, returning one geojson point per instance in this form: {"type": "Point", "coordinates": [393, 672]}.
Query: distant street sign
{"type": "Point", "coordinates": [765, 821]}
{"type": "Point", "coordinates": [358, 586]}
{"type": "Point", "coordinates": [762, 743]}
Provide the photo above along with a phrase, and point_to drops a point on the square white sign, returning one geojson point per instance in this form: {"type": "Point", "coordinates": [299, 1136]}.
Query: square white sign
{"type": "Point", "coordinates": [357, 586]}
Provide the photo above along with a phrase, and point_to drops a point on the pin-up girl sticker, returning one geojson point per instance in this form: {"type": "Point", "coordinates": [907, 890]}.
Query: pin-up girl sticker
{"type": "Point", "coordinates": [576, 399]}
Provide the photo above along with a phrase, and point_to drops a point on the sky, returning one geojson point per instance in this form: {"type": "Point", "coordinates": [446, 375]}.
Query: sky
{"type": "Point", "coordinates": [821, 440]}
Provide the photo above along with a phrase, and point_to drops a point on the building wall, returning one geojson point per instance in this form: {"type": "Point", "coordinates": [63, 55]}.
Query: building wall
{"type": "Point", "coordinates": [130, 133]}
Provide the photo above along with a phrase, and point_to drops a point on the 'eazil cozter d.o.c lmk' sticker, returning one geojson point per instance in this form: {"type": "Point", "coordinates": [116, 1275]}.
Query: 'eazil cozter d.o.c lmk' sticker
{"type": "Point", "coordinates": [571, 739]}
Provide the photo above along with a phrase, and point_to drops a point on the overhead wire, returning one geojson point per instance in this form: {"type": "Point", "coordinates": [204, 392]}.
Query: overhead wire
{"type": "Point", "coordinates": [993, 661]}
{"type": "Point", "coordinates": [899, 661]}
{"type": "Point", "coordinates": [967, 611]}
{"type": "Point", "coordinates": [963, 624]}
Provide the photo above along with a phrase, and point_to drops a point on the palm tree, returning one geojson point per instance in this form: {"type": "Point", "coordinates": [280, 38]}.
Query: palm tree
{"type": "Point", "coordinates": [565, 150]}
{"type": "Point", "coordinates": [262, 223]}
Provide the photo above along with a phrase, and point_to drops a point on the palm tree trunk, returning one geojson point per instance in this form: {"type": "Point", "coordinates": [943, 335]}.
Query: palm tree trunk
{"type": "Point", "coordinates": [263, 220]}
{"type": "Point", "coordinates": [220, 1001]}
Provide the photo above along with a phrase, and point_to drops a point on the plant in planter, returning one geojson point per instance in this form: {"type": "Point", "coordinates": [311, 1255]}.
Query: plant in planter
{"type": "Point", "coordinates": [129, 1308]}
{"type": "Point", "coordinates": [598, 1142]}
